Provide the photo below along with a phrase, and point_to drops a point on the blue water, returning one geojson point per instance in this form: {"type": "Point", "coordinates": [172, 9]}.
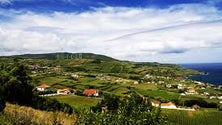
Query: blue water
{"type": "Point", "coordinates": [213, 71]}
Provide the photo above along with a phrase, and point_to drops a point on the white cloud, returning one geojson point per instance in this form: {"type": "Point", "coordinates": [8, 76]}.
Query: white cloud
{"type": "Point", "coordinates": [5, 1]}
{"type": "Point", "coordinates": [124, 33]}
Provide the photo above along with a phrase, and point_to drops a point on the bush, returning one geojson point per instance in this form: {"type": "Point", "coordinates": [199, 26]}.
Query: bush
{"type": "Point", "coordinates": [46, 92]}
{"type": "Point", "coordinates": [201, 103]}
{"type": "Point", "coordinates": [220, 108]}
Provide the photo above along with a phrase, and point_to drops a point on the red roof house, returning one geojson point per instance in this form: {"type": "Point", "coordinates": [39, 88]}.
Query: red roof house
{"type": "Point", "coordinates": [91, 92]}
{"type": "Point", "coordinates": [43, 87]}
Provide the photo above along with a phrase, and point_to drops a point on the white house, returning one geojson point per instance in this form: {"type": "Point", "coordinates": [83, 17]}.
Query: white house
{"type": "Point", "coordinates": [169, 105]}
{"type": "Point", "coordinates": [219, 97]}
{"type": "Point", "coordinates": [180, 86]}
{"type": "Point", "coordinates": [155, 103]}
{"type": "Point", "coordinates": [43, 87]}
{"type": "Point", "coordinates": [63, 91]}
{"type": "Point", "coordinates": [190, 91]}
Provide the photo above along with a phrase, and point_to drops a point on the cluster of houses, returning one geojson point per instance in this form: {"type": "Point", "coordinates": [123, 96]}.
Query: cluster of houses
{"type": "Point", "coordinates": [66, 91]}
{"type": "Point", "coordinates": [36, 68]}
{"type": "Point", "coordinates": [112, 79]}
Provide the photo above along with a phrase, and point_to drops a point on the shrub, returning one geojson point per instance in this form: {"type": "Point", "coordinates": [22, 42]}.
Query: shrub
{"type": "Point", "coordinates": [220, 108]}
{"type": "Point", "coordinates": [201, 103]}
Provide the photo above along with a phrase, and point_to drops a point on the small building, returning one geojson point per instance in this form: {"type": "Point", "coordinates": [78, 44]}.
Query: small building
{"type": "Point", "coordinates": [155, 103]}
{"type": "Point", "coordinates": [91, 92]}
{"type": "Point", "coordinates": [219, 97]}
{"type": "Point", "coordinates": [168, 85]}
{"type": "Point", "coordinates": [63, 91]}
{"type": "Point", "coordinates": [43, 87]}
{"type": "Point", "coordinates": [180, 86]}
{"type": "Point", "coordinates": [173, 86]}
{"type": "Point", "coordinates": [212, 97]}
{"type": "Point", "coordinates": [75, 76]}
{"type": "Point", "coordinates": [206, 93]}
{"type": "Point", "coordinates": [182, 94]}
{"type": "Point", "coordinates": [169, 105]}
{"type": "Point", "coordinates": [191, 91]}
{"type": "Point", "coordinates": [135, 82]}
{"type": "Point", "coordinates": [196, 107]}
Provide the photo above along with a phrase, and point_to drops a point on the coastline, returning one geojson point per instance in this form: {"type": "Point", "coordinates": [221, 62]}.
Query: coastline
{"type": "Point", "coordinates": [212, 72]}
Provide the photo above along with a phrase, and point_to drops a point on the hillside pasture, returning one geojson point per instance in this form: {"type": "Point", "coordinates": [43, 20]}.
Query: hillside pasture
{"type": "Point", "coordinates": [78, 102]}
{"type": "Point", "coordinates": [201, 117]}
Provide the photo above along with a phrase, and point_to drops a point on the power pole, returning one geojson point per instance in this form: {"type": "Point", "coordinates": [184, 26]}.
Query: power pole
{"type": "Point", "coordinates": [57, 56]}
{"type": "Point", "coordinates": [80, 55]}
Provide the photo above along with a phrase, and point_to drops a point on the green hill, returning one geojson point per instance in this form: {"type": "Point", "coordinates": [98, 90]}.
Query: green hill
{"type": "Point", "coordinates": [63, 55]}
{"type": "Point", "coordinates": [89, 62]}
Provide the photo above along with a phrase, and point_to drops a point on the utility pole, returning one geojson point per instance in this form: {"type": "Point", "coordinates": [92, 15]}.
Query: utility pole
{"type": "Point", "coordinates": [57, 56]}
{"type": "Point", "coordinates": [80, 55]}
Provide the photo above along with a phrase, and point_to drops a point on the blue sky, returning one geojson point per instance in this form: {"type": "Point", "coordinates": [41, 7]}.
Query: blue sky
{"type": "Point", "coordinates": [168, 31]}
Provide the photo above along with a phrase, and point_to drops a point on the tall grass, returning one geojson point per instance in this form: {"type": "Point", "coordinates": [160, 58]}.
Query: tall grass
{"type": "Point", "coordinates": [22, 115]}
{"type": "Point", "coordinates": [201, 117]}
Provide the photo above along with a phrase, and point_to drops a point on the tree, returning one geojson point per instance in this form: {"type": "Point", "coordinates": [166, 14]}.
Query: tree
{"type": "Point", "coordinates": [18, 89]}
{"type": "Point", "coordinates": [3, 78]}
{"type": "Point", "coordinates": [15, 84]}
{"type": "Point", "coordinates": [2, 101]}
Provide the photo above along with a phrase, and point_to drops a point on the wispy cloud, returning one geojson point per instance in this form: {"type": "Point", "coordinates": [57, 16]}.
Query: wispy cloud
{"type": "Point", "coordinates": [5, 1]}
{"type": "Point", "coordinates": [121, 32]}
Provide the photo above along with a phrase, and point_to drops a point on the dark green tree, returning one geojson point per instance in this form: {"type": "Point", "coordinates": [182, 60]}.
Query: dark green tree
{"type": "Point", "coordinates": [18, 88]}
{"type": "Point", "coordinates": [15, 83]}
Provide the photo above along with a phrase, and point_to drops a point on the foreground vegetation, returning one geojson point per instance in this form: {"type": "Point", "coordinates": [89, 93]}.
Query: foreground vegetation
{"type": "Point", "coordinates": [14, 114]}
{"type": "Point", "coordinates": [202, 117]}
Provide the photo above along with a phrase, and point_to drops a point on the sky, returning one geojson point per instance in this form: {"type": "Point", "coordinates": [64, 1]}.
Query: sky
{"type": "Point", "coordinates": [165, 31]}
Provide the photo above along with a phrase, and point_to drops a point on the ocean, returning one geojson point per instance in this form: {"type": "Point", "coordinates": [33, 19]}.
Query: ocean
{"type": "Point", "coordinates": [213, 72]}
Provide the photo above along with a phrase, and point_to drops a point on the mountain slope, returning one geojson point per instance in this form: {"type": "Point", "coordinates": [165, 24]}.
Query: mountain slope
{"type": "Point", "coordinates": [64, 55]}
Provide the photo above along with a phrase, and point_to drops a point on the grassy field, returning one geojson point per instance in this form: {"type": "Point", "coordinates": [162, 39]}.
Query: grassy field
{"type": "Point", "coordinates": [145, 86]}
{"type": "Point", "coordinates": [159, 94]}
{"type": "Point", "coordinates": [201, 117]}
{"type": "Point", "coordinates": [52, 80]}
{"type": "Point", "coordinates": [78, 102]}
